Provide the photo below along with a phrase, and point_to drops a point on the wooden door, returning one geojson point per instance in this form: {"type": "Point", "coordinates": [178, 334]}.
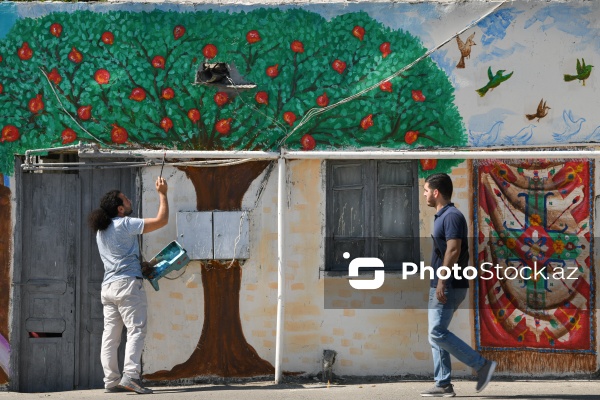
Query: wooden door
{"type": "Point", "coordinates": [58, 276]}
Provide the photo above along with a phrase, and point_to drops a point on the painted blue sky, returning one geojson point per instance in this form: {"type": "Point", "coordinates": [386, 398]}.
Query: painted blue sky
{"type": "Point", "coordinates": [564, 17]}
{"type": "Point", "coordinates": [574, 21]}
{"type": "Point", "coordinates": [494, 27]}
{"type": "Point", "coordinates": [8, 17]}
{"type": "Point", "coordinates": [540, 42]}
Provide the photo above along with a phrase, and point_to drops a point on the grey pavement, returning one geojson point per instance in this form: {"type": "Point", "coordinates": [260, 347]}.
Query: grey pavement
{"type": "Point", "coordinates": [579, 389]}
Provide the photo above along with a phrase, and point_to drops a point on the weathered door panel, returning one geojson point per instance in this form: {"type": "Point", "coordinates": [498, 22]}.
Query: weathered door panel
{"type": "Point", "coordinates": [50, 260]}
{"type": "Point", "coordinates": [61, 317]}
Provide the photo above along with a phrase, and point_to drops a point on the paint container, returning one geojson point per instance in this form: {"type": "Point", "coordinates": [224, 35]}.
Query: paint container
{"type": "Point", "coordinates": [171, 258]}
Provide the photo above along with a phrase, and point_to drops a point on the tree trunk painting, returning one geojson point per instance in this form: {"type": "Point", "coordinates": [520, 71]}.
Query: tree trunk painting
{"type": "Point", "coordinates": [222, 349]}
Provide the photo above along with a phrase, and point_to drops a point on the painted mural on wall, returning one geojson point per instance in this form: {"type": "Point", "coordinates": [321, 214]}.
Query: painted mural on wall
{"type": "Point", "coordinates": [148, 76]}
{"type": "Point", "coordinates": [535, 223]}
{"type": "Point", "coordinates": [560, 43]}
{"type": "Point", "coordinates": [106, 78]}
{"type": "Point", "coordinates": [100, 78]}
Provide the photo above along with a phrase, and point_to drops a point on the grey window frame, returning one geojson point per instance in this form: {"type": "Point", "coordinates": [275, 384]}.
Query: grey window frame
{"type": "Point", "coordinates": [371, 204]}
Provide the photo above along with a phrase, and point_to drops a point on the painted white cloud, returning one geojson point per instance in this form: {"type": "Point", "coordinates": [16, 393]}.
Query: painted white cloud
{"type": "Point", "coordinates": [574, 21]}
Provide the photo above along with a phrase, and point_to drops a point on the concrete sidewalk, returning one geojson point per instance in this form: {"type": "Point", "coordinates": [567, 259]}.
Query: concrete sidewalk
{"type": "Point", "coordinates": [500, 389]}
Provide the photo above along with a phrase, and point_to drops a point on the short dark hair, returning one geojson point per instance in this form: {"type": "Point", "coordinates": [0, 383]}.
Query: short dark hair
{"type": "Point", "coordinates": [101, 218]}
{"type": "Point", "coordinates": [442, 183]}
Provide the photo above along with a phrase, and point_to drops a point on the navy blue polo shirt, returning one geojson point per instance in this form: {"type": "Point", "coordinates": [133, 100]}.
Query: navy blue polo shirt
{"type": "Point", "coordinates": [449, 223]}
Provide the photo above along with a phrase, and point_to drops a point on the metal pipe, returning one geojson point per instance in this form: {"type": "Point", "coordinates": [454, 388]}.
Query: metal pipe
{"type": "Point", "coordinates": [80, 167]}
{"type": "Point", "coordinates": [122, 164]}
{"type": "Point", "coordinates": [413, 154]}
{"type": "Point", "coordinates": [79, 146]}
{"type": "Point", "coordinates": [180, 154]}
{"type": "Point", "coordinates": [280, 275]}
{"type": "Point", "coordinates": [439, 154]}
{"type": "Point", "coordinates": [51, 166]}
{"type": "Point", "coordinates": [75, 163]}
{"type": "Point", "coordinates": [29, 153]}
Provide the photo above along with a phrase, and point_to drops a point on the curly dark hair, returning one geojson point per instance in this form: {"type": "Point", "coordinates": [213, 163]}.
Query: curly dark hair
{"type": "Point", "coordinates": [101, 218]}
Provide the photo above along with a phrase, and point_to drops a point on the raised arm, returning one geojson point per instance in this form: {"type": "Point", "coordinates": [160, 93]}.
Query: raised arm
{"type": "Point", "coordinates": [162, 216]}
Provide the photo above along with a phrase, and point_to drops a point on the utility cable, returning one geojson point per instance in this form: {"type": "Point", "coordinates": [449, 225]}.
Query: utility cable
{"type": "Point", "coordinates": [70, 116]}
{"type": "Point", "coordinates": [313, 112]}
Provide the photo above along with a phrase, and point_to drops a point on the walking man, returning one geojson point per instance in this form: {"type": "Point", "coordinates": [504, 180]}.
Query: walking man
{"type": "Point", "coordinates": [123, 295]}
{"type": "Point", "coordinates": [445, 295]}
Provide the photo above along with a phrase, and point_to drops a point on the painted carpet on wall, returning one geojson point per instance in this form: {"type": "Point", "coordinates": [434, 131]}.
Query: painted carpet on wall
{"type": "Point", "coordinates": [535, 308]}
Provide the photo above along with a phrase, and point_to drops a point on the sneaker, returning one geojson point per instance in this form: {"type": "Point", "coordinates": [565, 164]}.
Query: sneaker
{"type": "Point", "coordinates": [484, 375]}
{"type": "Point", "coordinates": [133, 385]}
{"type": "Point", "coordinates": [439, 391]}
{"type": "Point", "coordinates": [114, 389]}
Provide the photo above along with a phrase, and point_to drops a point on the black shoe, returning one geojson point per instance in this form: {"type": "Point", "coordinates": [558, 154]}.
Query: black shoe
{"type": "Point", "coordinates": [439, 391]}
{"type": "Point", "coordinates": [484, 375]}
{"type": "Point", "coordinates": [114, 389]}
{"type": "Point", "coordinates": [134, 385]}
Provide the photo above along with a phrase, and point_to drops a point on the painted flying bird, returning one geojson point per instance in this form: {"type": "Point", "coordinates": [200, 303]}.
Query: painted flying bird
{"type": "Point", "coordinates": [465, 49]}
{"type": "Point", "coordinates": [495, 81]}
{"type": "Point", "coordinates": [485, 139]}
{"type": "Point", "coordinates": [542, 111]}
{"type": "Point", "coordinates": [520, 138]}
{"type": "Point", "coordinates": [583, 72]}
{"type": "Point", "coordinates": [572, 127]}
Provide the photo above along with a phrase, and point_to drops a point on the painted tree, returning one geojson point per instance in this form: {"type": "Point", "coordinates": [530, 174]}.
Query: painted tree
{"type": "Point", "coordinates": [126, 80]}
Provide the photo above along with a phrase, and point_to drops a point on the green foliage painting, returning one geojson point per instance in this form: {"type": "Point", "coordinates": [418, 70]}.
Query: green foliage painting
{"type": "Point", "coordinates": [126, 80]}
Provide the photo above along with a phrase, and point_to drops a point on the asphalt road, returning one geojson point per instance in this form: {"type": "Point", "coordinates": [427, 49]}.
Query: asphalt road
{"type": "Point", "coordinates": [506, 389]}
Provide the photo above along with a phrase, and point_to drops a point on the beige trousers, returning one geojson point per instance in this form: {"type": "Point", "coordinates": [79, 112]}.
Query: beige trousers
{"type": "Point", "coordinates": [124, 304]}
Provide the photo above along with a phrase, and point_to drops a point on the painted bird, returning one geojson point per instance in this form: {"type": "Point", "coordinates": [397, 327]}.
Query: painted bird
{"type": "Point", "coordinates": [520, 138]}
{"type": "Point", "coordinates": [495, 81]}
{"type": "Point", "coordinates": [583, 72]}
{"type": "Point", "coordinates": [465, 49]}
{"type": "Point", "coordinates": [573, 126]}
{"type": "Point", "coordinates": [542, 111]}
{"type": "Point", "coordinates": [485, 139]}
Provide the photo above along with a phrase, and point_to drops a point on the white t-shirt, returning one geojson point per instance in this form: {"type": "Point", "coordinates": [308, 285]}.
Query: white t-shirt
{"type": "Point", "coordinates": [119, 249]}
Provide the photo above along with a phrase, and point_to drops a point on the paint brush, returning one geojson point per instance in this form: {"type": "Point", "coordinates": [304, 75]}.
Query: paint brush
{"type": "Point", "coordinates": [163, 165]}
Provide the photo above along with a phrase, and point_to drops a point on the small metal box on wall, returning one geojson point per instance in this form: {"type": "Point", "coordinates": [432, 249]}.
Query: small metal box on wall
{"type": "Point", "coordinates": [195, 234]}
{"type": "Point", "coordinates": [230, 226]}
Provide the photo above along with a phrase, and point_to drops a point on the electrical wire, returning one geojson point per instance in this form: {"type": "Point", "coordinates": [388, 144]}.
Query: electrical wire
{"type": "Point", "coordinates": [81, 166]}
{"type": "Point", "coordinates": [70, 116]}
{"type": "Point", "coordinates": [178, 276]}
{"type": "Point", "coordinates": [313, 112]}
{"type": "Point", "coordinates": [263, 184]}
{"type": "Point", "coordinates": [237, 239]}
{"type": "Point", "coordinates": [222, 164]}
{"type": "Point", "coordinates": [306, 118]}
{"type": "Point", "coordinates": [277, 123]}
{"type": "Point", "coordinates": [261, 189]}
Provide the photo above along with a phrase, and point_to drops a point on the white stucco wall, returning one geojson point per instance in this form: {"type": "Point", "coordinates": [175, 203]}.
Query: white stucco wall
{"type": "Point", "coordinates": [368, 342]}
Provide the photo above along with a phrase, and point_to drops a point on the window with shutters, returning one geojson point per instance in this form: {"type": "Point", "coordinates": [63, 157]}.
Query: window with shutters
{"type": "Point", "coordinates": [372, 211]}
